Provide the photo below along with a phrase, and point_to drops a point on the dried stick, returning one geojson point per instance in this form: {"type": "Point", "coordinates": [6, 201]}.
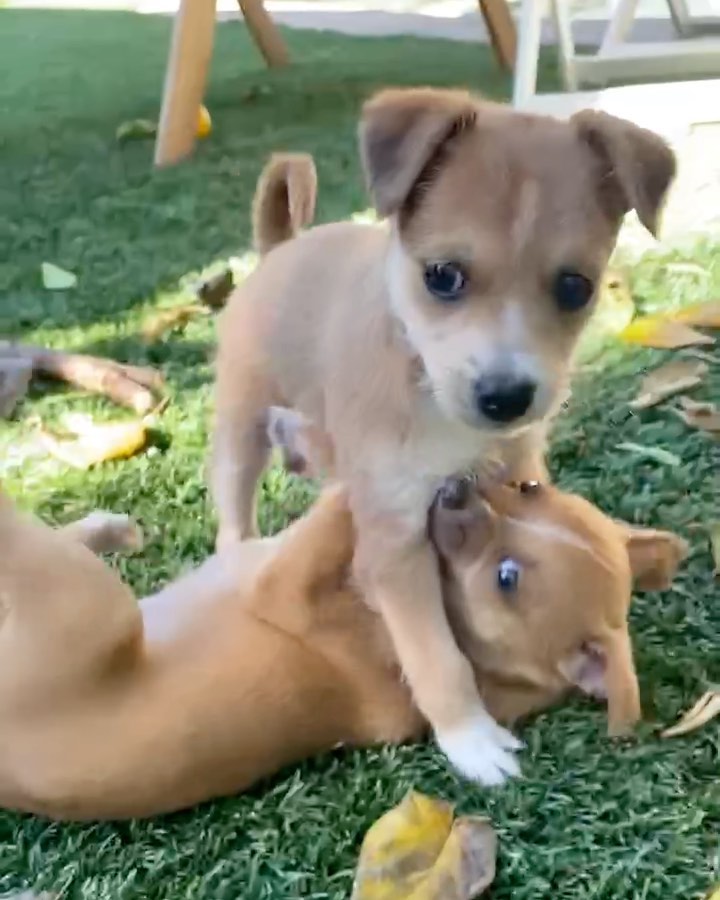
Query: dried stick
{"type": "Point", "coordinates": [132, 386]}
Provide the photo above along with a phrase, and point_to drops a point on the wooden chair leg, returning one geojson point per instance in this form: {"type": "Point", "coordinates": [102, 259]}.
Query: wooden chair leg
{"type": "Point", "coordinates": [501, 28]}
{"type": "Point", "coordinates": [185, 78]}
{"type": "Point", "coordinates": [264, 32]}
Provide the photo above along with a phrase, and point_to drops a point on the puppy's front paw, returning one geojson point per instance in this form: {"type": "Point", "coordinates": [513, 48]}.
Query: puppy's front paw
{"type": "Point", "coordinates": [482, 750]}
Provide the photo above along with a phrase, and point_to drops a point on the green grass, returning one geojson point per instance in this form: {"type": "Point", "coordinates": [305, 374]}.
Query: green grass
{"type": "Point", "coordinates": [589, 820]}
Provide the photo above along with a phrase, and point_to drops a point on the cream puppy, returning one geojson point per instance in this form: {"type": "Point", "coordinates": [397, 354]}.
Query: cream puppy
{"type": "Point", "coordinates": [428, 344]}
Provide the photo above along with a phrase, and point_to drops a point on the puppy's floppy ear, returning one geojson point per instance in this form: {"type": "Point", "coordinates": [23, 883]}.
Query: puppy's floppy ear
{"type": "Point", "coordinates": [400, 131]}
{"type": "Point", "coordinates": [654, 557]}
{"type": "Point", "coordinates": [636, 166]}
{"type": "Point", "coordinates": [459, 519]}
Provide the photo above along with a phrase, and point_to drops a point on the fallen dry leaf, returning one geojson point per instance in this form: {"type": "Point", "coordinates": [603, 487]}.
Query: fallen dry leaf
{"type": "Point", "coordinates": [706, 709]}
{"type": "Point", "coordinates": [56, 279]}
{"type": "Point", "coordinates": [135, 129]}
{"type": "Point", "coordinates": [655, 453]}
{"type": "Point", "coordinates": [715, 546]}
{"type": "Point", "coordinates": [701, 315]}
{"type": "Point", "coordinates": [92, 443]}
{"type": "Point", "coordinates": [167, 319]}
{"type": "Point", "coordinates": [215, 289]}
{"type": "Point", "coordinates": [662, 333]}
{"type": "Point", "coordinates": [417, 852]}
{"type": "Point", "coordinates": [665, 381]}
{"type": "Point", "coordinates": [615, 307]}
{"type": "Point", "coordinates": [703, 416]}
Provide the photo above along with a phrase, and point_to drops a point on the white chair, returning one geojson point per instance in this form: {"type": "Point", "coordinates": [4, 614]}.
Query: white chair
{"type": "Point", "coordinates": [696, 53]}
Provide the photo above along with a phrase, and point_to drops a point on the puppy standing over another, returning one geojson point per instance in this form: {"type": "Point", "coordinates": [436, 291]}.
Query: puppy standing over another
{"type": "Point", "coordinates": [429, 346]}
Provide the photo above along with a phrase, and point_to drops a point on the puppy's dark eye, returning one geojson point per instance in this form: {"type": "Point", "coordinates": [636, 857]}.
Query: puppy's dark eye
{"type": "Point", "coordinates": [508, 575]}
{"type": "Point", "coordinates": [572, 290]}
{"type": "Point", "coordinates": [445, 280]}
{"type": "Point", "coordinates": [530, 487]}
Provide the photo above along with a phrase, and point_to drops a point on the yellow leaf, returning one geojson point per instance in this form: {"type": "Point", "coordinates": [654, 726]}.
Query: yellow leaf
{"type": "Point", "coordinates": [95, 443]}
{"type": "Point", "coordinates": [707, 708]}
{"type": "Point", "coordinates": [663, 382]}
{"type": "Point", "coordinates": [615, 307]}
{"type": "Point", "coordinates": [703, 416]}
{"type": "Point", "coordinates": [417, 852]}
{"type": "Point", "coordinates": [204, 125]}
{"type": "Point", "coordinates": [701, 315]}
{"type": "Point", "coordinates": [714, 894]}
{"type": "Point", "coordinates": [167, 319]}
{"type": "Point", "coordinates": [135, 129]}
{"type": "Point", "coordinates": [662, 333]}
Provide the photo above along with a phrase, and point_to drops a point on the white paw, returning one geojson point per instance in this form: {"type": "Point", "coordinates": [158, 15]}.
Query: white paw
{"type": "Point", "coordinates": [481, 750]}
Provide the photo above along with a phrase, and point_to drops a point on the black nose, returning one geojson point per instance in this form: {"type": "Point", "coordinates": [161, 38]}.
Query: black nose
{"type": "Point", "coordinates": [504, 400]}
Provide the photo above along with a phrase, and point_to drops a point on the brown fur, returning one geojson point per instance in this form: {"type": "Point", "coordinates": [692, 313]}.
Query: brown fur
{"type": "Point", "coordinates": [285, 200]}
{"type": "Point", "coordinates": [338, 324]}
{"type": "Point", "coordinates": [264, 654]}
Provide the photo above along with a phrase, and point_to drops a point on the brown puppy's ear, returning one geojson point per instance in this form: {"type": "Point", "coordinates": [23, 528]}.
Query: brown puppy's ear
{"type": "Point", "coordinates": [460, 521]}
{"type": "Point", "coordinates": [636, 166]}
{"type": "Point", "coordinates": [400, 132]}
{"type": "Point", "coordinates": [654, 557]}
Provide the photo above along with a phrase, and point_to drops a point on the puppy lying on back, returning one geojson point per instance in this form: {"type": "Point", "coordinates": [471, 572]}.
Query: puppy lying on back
{"type": "Point", "coordinates": [264, 654]}
{"type": "Point", "coordinates": [427, 347]}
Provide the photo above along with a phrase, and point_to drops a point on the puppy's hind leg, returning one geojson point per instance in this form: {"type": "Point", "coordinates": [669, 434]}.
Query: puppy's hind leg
{"type": "Point", "coordinates": [65, 612]}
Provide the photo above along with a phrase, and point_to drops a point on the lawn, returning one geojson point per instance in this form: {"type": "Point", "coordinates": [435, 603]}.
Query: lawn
{"type": "Point", "coordinates": [589, 820]}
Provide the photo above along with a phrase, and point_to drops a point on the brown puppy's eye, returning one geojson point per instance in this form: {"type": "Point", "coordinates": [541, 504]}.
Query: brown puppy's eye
{"type": "Point", "coordinates": [572, 290]}
{"type": "Point", "coordinates": [445, 280]}
{"type": "Point", "coordinates": [530, 487]}
{"type": "Point", "coordinates": [508, 575]}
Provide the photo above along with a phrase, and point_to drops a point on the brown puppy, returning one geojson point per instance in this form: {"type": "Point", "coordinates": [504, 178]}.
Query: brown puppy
{"type": "Point", "coordinates": [265, 654]}
{"type": "Point", "coordinates": [428, 346]}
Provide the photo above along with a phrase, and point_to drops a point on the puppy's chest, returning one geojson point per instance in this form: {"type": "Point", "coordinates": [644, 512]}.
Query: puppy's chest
{"type": "Point", "coordinates": [407, 474]}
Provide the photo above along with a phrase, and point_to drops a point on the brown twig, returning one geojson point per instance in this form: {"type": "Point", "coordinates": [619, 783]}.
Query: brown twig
{"type": "Point", "coordinates": [133, 386]}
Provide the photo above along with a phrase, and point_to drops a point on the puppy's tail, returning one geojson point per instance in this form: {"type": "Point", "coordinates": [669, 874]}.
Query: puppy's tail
{"type": "Point", "coordinates": [284, 200]}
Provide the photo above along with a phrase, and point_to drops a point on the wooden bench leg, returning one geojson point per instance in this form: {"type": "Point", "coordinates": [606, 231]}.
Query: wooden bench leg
{"type": "Point", "coordinates": [264, 32]}
{"type": "Point", "coordinates": [185, 78]}
{"type": "Point", "coordinates": [501, 29]}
